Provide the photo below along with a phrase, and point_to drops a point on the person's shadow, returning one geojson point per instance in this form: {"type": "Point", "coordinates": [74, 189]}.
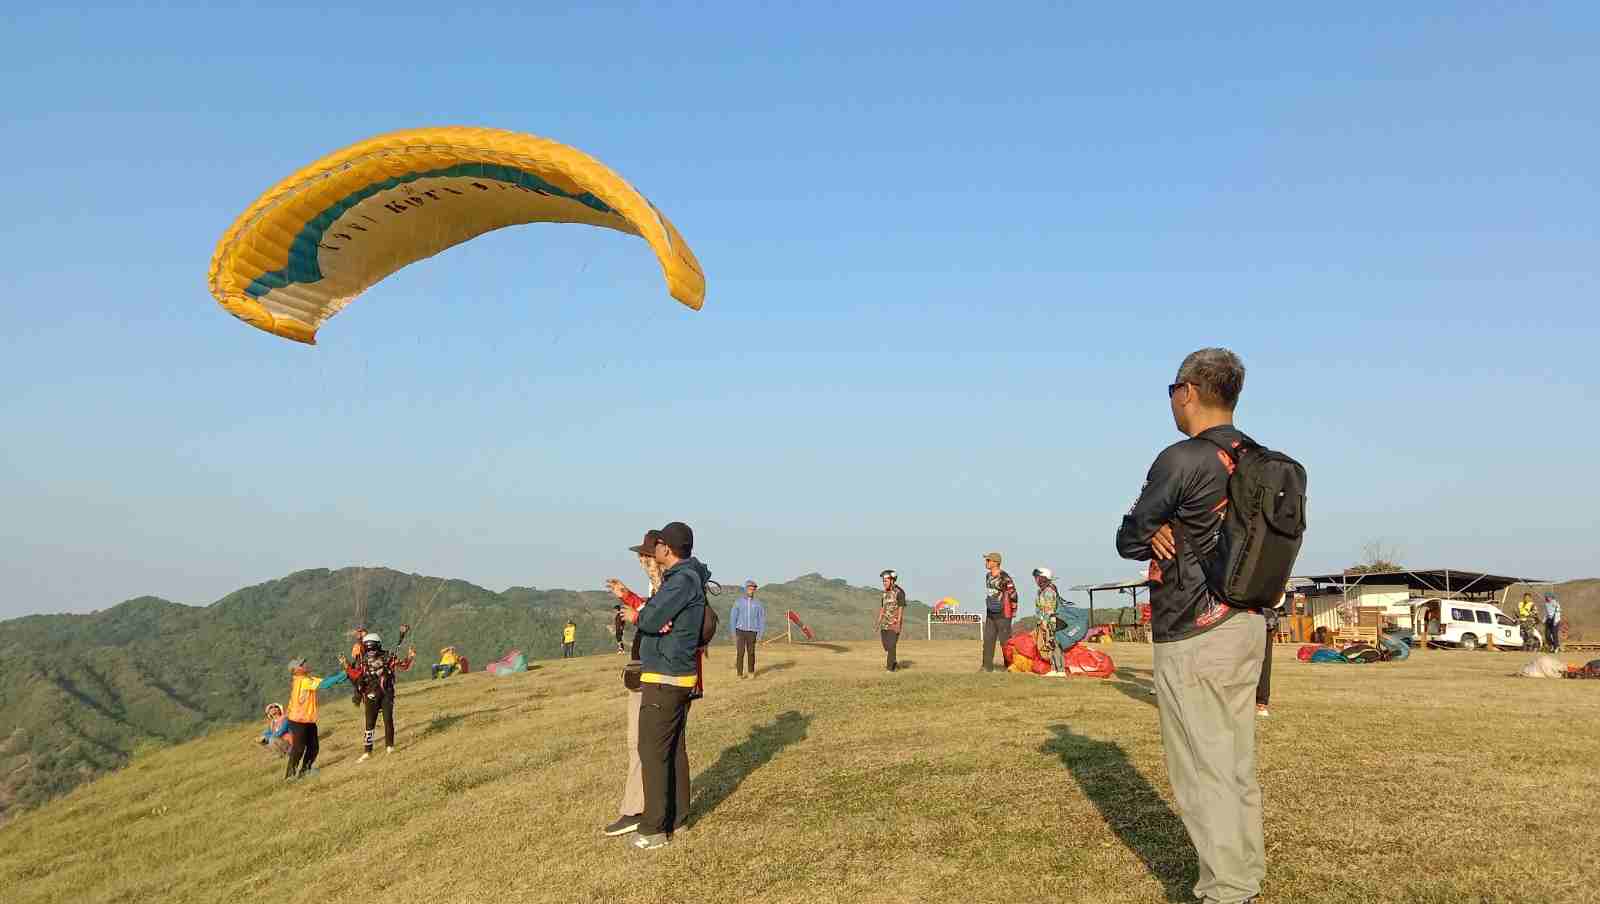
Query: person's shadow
{"type": "Point", "coordinates": [718, 781]}
{"type": "Point", "coordinates": [1131, 807]}
{"type": "Point", "coordinates": [777, 667]}
{"type": "Point", "coordinates": [1135, 686]}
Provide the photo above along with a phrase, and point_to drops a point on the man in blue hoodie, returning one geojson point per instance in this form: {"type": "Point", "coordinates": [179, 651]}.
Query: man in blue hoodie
{"type": "Point", "coordinates": [669, 624]}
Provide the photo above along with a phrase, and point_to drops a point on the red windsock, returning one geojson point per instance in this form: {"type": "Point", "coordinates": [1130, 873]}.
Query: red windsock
{"type": "Point", "coordinates": [802, 625]}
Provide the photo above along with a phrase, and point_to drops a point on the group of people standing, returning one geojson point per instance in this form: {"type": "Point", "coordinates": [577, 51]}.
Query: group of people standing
{"type": "Point", "coordinates": [370, 668]}
{"type": "Point", "coordinates": [1528, 616]}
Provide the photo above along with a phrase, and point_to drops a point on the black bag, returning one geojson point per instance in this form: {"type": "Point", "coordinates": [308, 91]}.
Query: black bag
{"type": "Point", "coordinates": [1262, 527]}
{"type": "Point", "coordinates": [708, 628]}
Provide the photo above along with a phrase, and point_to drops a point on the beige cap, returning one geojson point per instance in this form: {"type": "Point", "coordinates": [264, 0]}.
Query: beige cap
{"type": "Point", "coordinates": [992, 557]}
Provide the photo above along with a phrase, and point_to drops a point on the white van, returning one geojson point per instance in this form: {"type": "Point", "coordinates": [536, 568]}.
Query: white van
{"type": "Point", "coordinates": [1466, 624]}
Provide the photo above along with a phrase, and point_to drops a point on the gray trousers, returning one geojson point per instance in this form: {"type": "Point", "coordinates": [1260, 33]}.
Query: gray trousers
{"type": "Point", "coordinates": [996, 630]}
{"type": "Point", "coordinates": [1206, 689]}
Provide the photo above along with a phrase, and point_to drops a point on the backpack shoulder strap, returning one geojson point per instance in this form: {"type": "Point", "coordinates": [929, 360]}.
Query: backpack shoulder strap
{"type": "Point", "coordinates": [1232, 452]}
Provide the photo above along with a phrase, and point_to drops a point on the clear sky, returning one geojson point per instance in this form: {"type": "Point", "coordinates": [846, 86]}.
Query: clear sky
{"type": "Point", "coordinates": [954, 255]}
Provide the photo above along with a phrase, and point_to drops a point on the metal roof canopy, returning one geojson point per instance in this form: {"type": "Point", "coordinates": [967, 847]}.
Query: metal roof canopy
{"type": "Point", "coordinates": [1132, 588]}
{"type": "Point", "coordinates": [1438, 580]}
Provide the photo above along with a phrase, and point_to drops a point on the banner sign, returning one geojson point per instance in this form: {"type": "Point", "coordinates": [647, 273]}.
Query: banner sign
{"type": "Point", "coordinates": [951, 617]}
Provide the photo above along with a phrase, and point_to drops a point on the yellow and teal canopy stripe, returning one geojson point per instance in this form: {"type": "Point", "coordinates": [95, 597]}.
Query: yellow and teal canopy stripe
{"type": "Point", "coordinates": [324, 235]}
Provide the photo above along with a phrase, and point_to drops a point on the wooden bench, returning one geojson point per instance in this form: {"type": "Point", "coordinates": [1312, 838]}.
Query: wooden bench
{"type": "Point", "coordinates": [1367, 634]}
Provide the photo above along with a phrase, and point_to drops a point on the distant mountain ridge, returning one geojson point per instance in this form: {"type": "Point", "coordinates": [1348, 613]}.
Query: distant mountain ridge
{"type": "Point", "coordinates": [81, 694]}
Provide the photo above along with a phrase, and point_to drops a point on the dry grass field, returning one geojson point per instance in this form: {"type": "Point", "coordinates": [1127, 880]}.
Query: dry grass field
{"type": "Point", "coordinates": [1441, 779]}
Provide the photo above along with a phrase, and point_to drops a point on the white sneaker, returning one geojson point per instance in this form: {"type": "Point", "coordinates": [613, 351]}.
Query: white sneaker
{"type": "Point", "coordinates": [365, 756]}
{"type": "Point", "coordinates": [388, 750]}
{"type": "Point", "coordinates": [1261, 712]}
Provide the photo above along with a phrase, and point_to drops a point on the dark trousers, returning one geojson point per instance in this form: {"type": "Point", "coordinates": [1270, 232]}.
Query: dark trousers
{"type": "Point", "coordinates": [890, 640]}
{"type": "Point", "coordinates": [445, 670]}
{"type": "Point", "coordinates": [746, 647]}
{"type": "Point", "coordinates": [1264, 683]}
{"type": "Point", "coordinates": [996, 628]}
{"type": "Point", "coordinates": [1552, 635]}
{"type": "Point", "coordinates": [566, 650]}
{"type": "Point", "coordinates": [383, 703]}
{"type": "Point", "coordinates": [664, 757]}
{"type": "Point", "coordinates": [302, 747]}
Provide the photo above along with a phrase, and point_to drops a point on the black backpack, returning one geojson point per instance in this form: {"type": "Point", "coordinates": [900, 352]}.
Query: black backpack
{"type": "Point", "coordinates": [1262, 527]}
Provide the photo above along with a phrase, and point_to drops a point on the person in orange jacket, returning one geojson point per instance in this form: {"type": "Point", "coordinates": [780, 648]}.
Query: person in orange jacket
{"type": "Point", "coordinates": [302, 717]}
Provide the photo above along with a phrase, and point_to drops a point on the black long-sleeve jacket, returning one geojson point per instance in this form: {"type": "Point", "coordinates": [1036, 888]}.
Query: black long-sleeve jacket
{"type": "Point", "coordinates": [1186, 487]}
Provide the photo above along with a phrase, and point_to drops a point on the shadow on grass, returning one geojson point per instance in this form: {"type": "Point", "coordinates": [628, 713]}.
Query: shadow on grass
{"type": "Point", "coordinates": [775, 667]}
{"type": "Point", "coordinates": [1135, 686]}
{"type": "Point", "coordinates": [441, 724]}
{"type": "Point", "coordinates": [718, 781]}
{"type": "Point", "coordinates": [1131, 807]}
{"type": "Point", "coordinates": [830, 647]}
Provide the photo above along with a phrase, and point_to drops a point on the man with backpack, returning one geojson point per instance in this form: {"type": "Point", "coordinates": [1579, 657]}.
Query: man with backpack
{"type": "Point", "coordinates": [373, 675]}
{"type": "Point", "coordinates": [891, 617]}
{"type": "Point", "coordinates": [1203, 497]}
{"type": "Point", "coordinates": [1000, 604]}
{"type": "Point", "coordinates": [671, 623]}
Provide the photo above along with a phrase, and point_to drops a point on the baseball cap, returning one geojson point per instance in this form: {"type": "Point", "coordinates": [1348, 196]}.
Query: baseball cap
{"type": "Point", "coordinates": [678, 536]}
{"type": "Point", "coordinates": [1045, 573]}
{"type": "Point", "coordinates": [992, 557]}
{"type": "Point", "coordinates": [299, 663]}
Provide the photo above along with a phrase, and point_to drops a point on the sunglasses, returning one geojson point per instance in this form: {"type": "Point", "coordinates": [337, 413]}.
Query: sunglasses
{"type": "Point", "coordinates": [1172, 388]}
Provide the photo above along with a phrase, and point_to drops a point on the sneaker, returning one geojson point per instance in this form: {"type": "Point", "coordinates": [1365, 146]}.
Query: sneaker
{"type": "Point", "coordinates": [365, 756]}
{"type": "Point", "coordinates": [1056, 675]}
{"type": "Point", "coordinates": [650, 842]}
{"type": "Point", "coordinates": [1261, 711]}
{"type": "Point", "coordinates": [622, 826]}
{"type": "Point", "coordinates": [388, 750]}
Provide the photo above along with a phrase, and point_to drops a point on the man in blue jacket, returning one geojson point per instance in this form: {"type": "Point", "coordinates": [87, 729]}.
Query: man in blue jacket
{"type": "Point", "coordinates": [669, 624]}
{"type": "Point", "coordinates": [748, 622]}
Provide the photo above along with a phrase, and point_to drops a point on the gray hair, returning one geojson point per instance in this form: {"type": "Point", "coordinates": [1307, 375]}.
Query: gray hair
{"type": "Point", "coordinates": [1217, 373]}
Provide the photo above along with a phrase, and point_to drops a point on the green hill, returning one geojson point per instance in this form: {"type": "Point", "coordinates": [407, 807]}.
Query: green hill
{"type": "Point", "coordinates": [827, 779]}
{"type": "Point", "coordinates": [79, 694]}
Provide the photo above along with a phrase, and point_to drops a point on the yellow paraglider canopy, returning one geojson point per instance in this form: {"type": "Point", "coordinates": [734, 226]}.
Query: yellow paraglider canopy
{"type": "Point", "coordinates": [319, 238]}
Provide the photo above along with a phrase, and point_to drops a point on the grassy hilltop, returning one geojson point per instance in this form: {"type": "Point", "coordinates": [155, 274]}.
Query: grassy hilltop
{"type": "Point", "coordinates": [1438, 780]}
{"type": "Point", "coordinates": [80, 694]}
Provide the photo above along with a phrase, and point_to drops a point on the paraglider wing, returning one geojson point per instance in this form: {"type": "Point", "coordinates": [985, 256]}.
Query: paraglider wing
{"type": "Point", "coordinates": [319, 238]}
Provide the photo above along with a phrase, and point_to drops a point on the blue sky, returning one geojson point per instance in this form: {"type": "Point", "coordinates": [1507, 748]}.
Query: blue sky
{"type": "Point", "coordinates": [954, 253]}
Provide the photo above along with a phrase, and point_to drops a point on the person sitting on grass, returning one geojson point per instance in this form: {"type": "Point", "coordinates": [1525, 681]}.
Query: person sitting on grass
{"type": "Point", "coordinates": [276, 734]}
{"type": "Point", "coordinates": [446, 666]}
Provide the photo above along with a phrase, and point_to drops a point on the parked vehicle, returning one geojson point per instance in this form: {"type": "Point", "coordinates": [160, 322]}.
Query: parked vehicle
{"type": "Point", "coordinates": [1470, 625]}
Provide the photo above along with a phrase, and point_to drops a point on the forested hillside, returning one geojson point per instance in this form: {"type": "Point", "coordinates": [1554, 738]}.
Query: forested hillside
{"type": "Point", "coordinates": [79, 694]}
